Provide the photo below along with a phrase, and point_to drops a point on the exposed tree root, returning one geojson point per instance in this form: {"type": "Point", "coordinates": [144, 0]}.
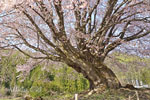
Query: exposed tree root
{"type": "Point", "coordinates": [125, 89]}
{"type": "Point", "coordinates": [131, 87]}
{"type": "Point", "coordinates": [99, 89]}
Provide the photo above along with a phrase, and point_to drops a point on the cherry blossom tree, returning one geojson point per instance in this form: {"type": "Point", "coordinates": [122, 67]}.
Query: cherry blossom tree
{"type": "Point", "coordinates": [80, 33]}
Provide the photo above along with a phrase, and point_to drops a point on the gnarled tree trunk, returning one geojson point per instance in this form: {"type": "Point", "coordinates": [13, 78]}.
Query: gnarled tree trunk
{"type": "Point", "coordinates": [98, 75]}
{"type": "Point", "coordinates": [104, 77]}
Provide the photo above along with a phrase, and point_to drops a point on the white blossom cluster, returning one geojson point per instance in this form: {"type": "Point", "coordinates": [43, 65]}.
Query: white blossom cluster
{"type": "Point", "coordinates": [7, 4]}
{"type": "Point", "coordinates": [24, 68]}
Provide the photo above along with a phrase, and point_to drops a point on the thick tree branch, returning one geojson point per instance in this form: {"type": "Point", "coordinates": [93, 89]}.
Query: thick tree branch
{"type": "Point", "coordinates": [29, 55]}
{"type": "Point", "coordinates": [90, 12]}
{"type": "Point", "coordinates": [137, 35]}
{"type": "Point", "coordinates": [42, 35]}
{"type": "Point", "coordinates": [47, 17]}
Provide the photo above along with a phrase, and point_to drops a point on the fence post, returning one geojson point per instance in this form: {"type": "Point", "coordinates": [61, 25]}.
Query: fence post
{"type": "Point", "coordinates": [76, 96]}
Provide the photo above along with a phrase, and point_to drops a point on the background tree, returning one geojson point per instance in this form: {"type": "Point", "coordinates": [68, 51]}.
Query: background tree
{"type": "Point", "coordinates": [80, 33]}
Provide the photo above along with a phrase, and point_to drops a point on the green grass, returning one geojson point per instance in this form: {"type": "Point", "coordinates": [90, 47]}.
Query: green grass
{"type": "Point", "coordinates": [11, 99]}
{"type": "Point", "coordinates": [120, 94]}
{"type": "Point", "coordinates": [8, 99]}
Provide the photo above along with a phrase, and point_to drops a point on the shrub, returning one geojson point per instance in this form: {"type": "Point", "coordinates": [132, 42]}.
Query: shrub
{"type": "Point", "coordinates": [41, 88]}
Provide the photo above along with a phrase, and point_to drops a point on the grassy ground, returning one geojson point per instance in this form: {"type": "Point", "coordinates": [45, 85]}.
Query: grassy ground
{"type": "Point", "coordinates": [8, 99]}
{"type": "Point", "coordinates": [120, 94]}
{"type": "Point", "coordinates": [11, 98]}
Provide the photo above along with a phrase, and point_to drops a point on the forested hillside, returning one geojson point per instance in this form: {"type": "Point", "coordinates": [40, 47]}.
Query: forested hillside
{"type": "Point", "coordinates": [53, 79]}
{"type": "Point", "coordinates": [46, 78]}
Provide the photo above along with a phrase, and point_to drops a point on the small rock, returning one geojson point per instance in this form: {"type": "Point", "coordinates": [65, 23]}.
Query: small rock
{"type": "Point", "coordinates": [28, 98]}
{"type": "Point", "coordinates": [38, 98]}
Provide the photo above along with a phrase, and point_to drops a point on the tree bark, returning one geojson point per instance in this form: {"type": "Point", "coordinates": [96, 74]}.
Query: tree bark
{"type": "Point", "coordinates": [103, 77]}
{"type": "Point", "coordinates": [98, 74]}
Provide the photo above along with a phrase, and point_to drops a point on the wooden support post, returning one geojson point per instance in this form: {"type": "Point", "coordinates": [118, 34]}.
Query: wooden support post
{"type": "Point", "coordinates": [76, 96]}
